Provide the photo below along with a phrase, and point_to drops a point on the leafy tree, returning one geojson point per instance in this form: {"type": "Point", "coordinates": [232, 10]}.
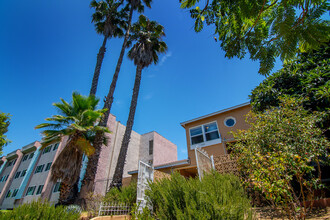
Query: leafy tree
{"type": "Point", "coordinates": [4, 123]}
{"type": "Point", "coordinates": [307, 76]}
{"type": "Point", "coordinates": [88, 181]}
{"type": "Point", "coordinates": [280, 155]}
{"type": "Point", "coordinates": [110, 22]}
{"type": "Point", "coordinates": [77, 122]}
{"type": "Point", "coordinates": [265, 29]}
{"type": "Point", "coordinates": [148, 35]}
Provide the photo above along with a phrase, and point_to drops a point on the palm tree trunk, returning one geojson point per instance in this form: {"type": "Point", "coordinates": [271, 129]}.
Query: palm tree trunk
{"type": "Point", "coordinates": [109, 99]}
{"type": "Point", "coordinates": [98, 65]}
{"type": "Point", "coordinates": [89, 178]}
{"type": "Point", "coordinates": [118, 175]}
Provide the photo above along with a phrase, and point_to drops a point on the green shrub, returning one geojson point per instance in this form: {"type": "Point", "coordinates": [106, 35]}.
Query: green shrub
{"type": "Point", "coordinates": [215, 197]}
{"type": "Point", "coordinates": [40, 211]}
{"type": "Point", "coordinates": [124, 195]}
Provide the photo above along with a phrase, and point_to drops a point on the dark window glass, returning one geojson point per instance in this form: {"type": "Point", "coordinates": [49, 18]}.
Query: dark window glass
{"type": "Point", "coordinates": [151, 147]}
{"type": "Point", "coordinates": [230, 122]}
{"type": "Point", "coordinates": [212, 135]}
{"type": "Point", "coordinates": [39, 189]}
{"type": "Point", "coordinates": [197, 139]}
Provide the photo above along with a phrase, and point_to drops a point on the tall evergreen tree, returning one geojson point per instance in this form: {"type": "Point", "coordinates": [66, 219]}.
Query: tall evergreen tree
{"type": "Point", "coordinates": [144, 52]}
{"type": "Point", "coordinates": [89, 178]}
{"type": "Point", "coordinates": [110, 22]}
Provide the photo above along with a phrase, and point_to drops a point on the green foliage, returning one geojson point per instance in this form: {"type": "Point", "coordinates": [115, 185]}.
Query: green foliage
{"type": "Point", "coordinates": [280, 154]}
{"type": "Point", "coordinates": [124, 195]}
{"type": "Point", "coordinates": [215, 197]}
{"type": "Point", "coordinates": [4, 123]}
{"type": "Point", "coordinates": [266, 29]}
{"type": "Point", "coordinates": [144, 215]}
{"type": "Point", "coordinates": [307, 76]}
{"type": "Point", "coordinates": [77, 120]}
{"type": "Point", "coordinates": [109, 19]}
{"type": "Point", "coordinates": [40, 210]}
{"type": "Point", "coordinates": [148, 35]}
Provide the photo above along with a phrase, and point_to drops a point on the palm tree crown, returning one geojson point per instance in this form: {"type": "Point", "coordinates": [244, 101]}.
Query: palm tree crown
{"type": "Point", "coordinates": [148, 35]}
{"type": "Point", "coordinates": [77, 121]}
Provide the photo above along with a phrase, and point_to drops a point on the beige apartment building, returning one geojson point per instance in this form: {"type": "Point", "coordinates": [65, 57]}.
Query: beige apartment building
{"type": "Point", "coordinates": [25, 173]}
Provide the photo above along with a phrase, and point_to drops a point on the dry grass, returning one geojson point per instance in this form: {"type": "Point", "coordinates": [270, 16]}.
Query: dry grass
{"type": "Point", "coordinates": [265, 213]}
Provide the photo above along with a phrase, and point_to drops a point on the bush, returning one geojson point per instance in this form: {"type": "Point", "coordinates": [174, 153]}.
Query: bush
{"type": "Point", "coordinates": [39, 210]}
{"type": "Point", "coordinates": [124, 195]}
{"type": "Point", "coordinates": [215, 197]}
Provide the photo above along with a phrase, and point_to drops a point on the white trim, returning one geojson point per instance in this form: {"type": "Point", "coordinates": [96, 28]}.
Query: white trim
{"type": "Point", "coordinates": [215, 113]}
{"type": "Point", "coordinates": [229, 117]}
{"type": "Point", "coordinates": [205, 143]}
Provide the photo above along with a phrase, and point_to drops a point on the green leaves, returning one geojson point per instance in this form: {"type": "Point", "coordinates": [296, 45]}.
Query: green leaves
{"type": "Point", "coordinates": [265, 29]}
{"type": "Point", "coordinates": [4, 124]}
{"type": "Point", "coordinates": [279, 152]}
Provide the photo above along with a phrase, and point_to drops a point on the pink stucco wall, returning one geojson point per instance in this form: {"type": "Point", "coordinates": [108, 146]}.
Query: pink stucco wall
{"type": "Point", "coordinates": [164, 150]}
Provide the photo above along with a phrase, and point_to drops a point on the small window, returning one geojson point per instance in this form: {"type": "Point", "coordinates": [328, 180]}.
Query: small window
{"type": "Point", "coordinates": [39, 168]}
{"type": "Point", "coordinates": [204, 133]}
{"type": "Point", "coordinates": [15, 193]}
{"type": "Point", "coordinates": [230, 121]}
{"type": "Point", "coordinates": [26, 156]}
{"type": "Point", "coordinates": [17, 174]}
{"type": "Point", "coordinates": [10, 163]}
{"type": "Point", "coordinates": [8, 194]}
{"type": "Point", "coordinates": [56, 146]}
{"type": "Point", "coordinates": [151, 147]}
{"type": "Point", "coordinates": [39, 189]}
{"type": "Point", "coordinates": [6, 177]}
{"type": "Point", "coordinates": [57, 187]}
{"type": "Point", "coordinates": [14, 161]}
{"type": "Point", "coordinates": [31, 155]}
{"type": "Point", "coordinates": [47, 149]}
{"type": "Point", "coordinates": [23, 173]}
{"type": "Point", "coordinates": [30, 191]}
{"type": "Point", "coordinates": [48, 166]}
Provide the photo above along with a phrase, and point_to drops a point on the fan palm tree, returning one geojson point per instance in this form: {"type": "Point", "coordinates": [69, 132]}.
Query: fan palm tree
{"type": "Point", "coordinates": [110, 22]}
{"type": "Point", "coordinates": [78, 122]}
{"type": "Point", "coordinates": [89, 177]}
{"type": "Point", "coordinates": [144, 52]}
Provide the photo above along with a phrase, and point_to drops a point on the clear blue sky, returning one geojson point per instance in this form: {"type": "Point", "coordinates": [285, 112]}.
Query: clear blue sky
{"type": "Point", "coordinates": [48, 49]}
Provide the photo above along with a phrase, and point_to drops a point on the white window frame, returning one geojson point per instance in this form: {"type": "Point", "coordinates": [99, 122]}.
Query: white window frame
{"type": "Point", "coordinates": [205, 143]}
{"type": "Point", "coordinates": [229, 117]}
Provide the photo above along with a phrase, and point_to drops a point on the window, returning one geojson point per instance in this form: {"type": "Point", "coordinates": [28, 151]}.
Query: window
{"type": "Point", "coordinates": [56, 146]}
{"type": "Point", "coordinates": [6, 177]}
{"type": "Point", "coordinates": [30, 191]}
{"type": "Point", "coordinates": [15, 193]}
{"type": "Point", "coordinates": [47, 149]}
{"type": "Point", "coordinates": [57, 187]}
{"type": "Point", "coordinates": [2, 178]}
{"type": "Point", "coordinates": [26, 156]}
{"type": "Point", "coordinates": [151, 147]}
{"type": "Point", "coordinates": [14, 162]}
{"type": "Point", "coordinates": [31, 155]}
{"type": "Point", "coordinates": [39, 189]}
{"type": "Point", "coordinates": [230, 121]}
{"type": "Point", "coordinates": [10, 163]}
{"type": "Point", "coordinates": [204, 133]}
{"type": "Point", "coordinates": [48, 166]}
{"type": "Point", "coordinates": [39, 168]}
{"type": "Point", "coordinates": [8, 194]}
{"type": "Point", "coordinates": [17, 174]}
{"type": "Point", "coordinates": [23, 173]}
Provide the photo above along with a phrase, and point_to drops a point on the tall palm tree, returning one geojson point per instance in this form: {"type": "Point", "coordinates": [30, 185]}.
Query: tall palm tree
{"type": "Point", "coordinates": [144, 52]}
{"type": "Point", "coordinates": [110, 22]}
{"type": "Point", "coordinates": [76, 121]}
{"type": "Point", "coordinates": [88, 181]}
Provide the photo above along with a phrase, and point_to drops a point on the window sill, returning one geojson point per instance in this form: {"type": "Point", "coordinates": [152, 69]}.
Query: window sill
{"type": "Point", "coordinates": [205, 144]}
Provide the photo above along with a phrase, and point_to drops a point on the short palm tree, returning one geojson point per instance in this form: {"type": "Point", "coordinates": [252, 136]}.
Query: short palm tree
{"type": "Point", "coordinates": [110, 22]}
{"type": "Point", "coordinates": [77, 121]}
{"type": "Point", "coordinates": [144, 52]}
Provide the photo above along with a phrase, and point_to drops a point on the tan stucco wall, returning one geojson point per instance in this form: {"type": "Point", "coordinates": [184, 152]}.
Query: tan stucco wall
{"type": "Point", "coordinates": [218, 149]}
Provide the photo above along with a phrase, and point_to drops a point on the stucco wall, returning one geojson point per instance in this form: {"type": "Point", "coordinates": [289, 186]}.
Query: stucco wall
{"type": "Point", "coordinates": [164, 150]}
{"type": "Point", "coordinates": [218, 149]}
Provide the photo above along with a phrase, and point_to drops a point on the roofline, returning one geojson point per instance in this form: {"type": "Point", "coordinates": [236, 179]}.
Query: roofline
{"type": "Point", "coordinates": [166, 165]}
{"type": "Point", "coordinates": [215, 113]}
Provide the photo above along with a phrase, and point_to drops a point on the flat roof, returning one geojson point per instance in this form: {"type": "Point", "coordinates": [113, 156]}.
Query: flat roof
{"type": "Point", "coordinates": [165, 165]}
{"type": "Point", "coordinates": [215, 113]}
